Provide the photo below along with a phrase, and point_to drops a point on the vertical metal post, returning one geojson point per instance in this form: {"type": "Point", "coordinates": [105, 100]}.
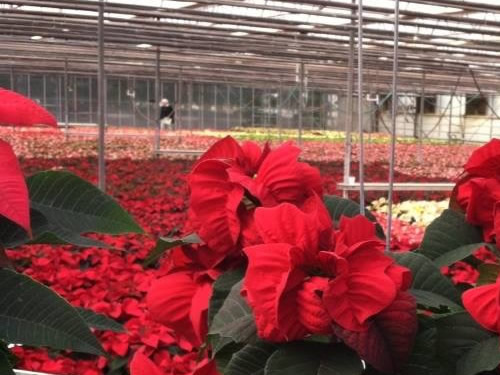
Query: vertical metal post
{"type": "Point", "coordinates": [91, 109]}
{"type": "Point", "coordinates": [421, 121]}
{"type": "Point", "coordinates": [190, 105]}
{"type": "Point", "coordinates": [101, 99]}
{"type": "Point", "coordinates": [12, 81]}
{"type": "Point", "coordinates": [360, 110]}
{"type": "Point", "coordinates": [228, 102]}
{"type": "Point", "coordinates": [392, 157]}
{"type": "Point", "coordinates": [157, 100]}
{"type": "Point", "coordinates": [253, 106]}
{"type": "Point", "coordinates": [450, 119]}
{"type": "Point", "coordinates": [349, 106]}
{"type": "Point", "coordinates": [215, 106]}
{"type": "Point", "coordinates": [178, 118]}
{"type": "Point", "coordinates": [202, 107]}
{"type": "Point", "coordinates": [241, 106]}
{"type": "Point", "coordinates": [280, 108]}
{"type": "Point", "coordinates": [66, 100]}
{"type": "Point", "coordinates": [301, 101]}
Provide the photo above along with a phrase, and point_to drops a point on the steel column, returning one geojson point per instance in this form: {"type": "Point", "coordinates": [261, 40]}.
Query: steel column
{"type": "Point", "coordinates": [157, 100]}
{"type": "Point", "coordinates": [360, 110]}
{"type": "Point", "coordinates": [101, 100]}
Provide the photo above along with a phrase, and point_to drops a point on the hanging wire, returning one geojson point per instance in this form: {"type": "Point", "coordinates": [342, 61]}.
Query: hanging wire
{"type": "Point", "coordinates": [392, 158]}
{"type": "Point", "coordinates": [360, 111]}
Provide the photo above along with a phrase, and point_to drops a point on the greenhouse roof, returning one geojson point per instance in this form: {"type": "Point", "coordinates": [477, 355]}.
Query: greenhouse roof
{"type": "Point", "coordinates": [445, 44]}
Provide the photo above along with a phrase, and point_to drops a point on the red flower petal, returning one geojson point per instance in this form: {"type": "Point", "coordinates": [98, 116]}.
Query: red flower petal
{"type": "Point", "coordinates": [388, 341]}
{"type": "Point", "coordinates": [288, 224]}
{"type": "Point", "coordinates": [282, 179]}
{"type": "Point", "coordinates": [17, 110]}
{"type": "Point", "coordinates": [357, 229]}
{"type": "Point", "coordinates": [170, 297]}
{"type": "Point", "coordinates": [485, 161]}
{"type": "Point", "coordinates": [311, 311]}
{"type": "Point", "coordinates": [214, 201]}
{"type": "Point", "coordinates": [142, 365]}
{"type": "Point", "coordinates": [205, 367]}
{"type": "Point", "coordinates": [14, 204]}
{"type": "Point", "coordinates": [199, 310]}
{"type": "Point", "coordinates": [270, 286]}
{"type": "Point", "coordinates": [353, 299]}
{"type": "Point", "coordinates": [483, 305]}
{"type": "Point", "coordinates": [226, 149]}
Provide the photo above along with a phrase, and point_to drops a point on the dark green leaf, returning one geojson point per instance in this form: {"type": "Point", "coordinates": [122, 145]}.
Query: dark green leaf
{"type": "Point", "coordinates": [448, 232]}
{"type": "Point", "coordinates": [99, 321]}
{"type": "Point", "coordinates": [430, 299]}
{"type": "Point", "coordinates": [308, 358]}
{"type": "Point", "coordinates": [424, 359]}
{"type": "Point", "coordinates": [5, 365]}
{"type": "Point", "coordinates": [250, 360]}
{"type": "Point", "coordinates": [164, 244]}
{"type": "Point", "coordinates": [457, 254]}
{"type": "Point", "coordinates": [12, 235]}
{"type": "Point", "coordinates": [428, 279]}
{"type": "Point", "coordinates": [457, 334]}
{"type": "Point", "coordinates": [484, 356]}
{"type": "Point", "coordinates": [338, 207]}
{"type": "Point", "coordinates": [221, 289]}
{"type": "Point", "coordinates": [73, 206]}
{"type": "Point", "coordinates": [32, 314]}
{"type": "Point", "coordinates": [488, 273]}
{"type": "Point", "coordinates": [234, 319]}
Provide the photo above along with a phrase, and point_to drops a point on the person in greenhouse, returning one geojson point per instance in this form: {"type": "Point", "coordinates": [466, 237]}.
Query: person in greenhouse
{"type": "Point", "coordinates": [167, 114]}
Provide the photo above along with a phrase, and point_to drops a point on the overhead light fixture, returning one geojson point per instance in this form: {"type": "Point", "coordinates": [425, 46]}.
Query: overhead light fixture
{"type": "Point", "coordinates": [144, 45]}
{"type": "Point", "coordinates": [306, 26]}
{"type": "Point", "coordinates": [36, 37]}
{"type": "Point", "coordinates": [383, 58]}
{"type": "Point", "coordinates": [239, 33]}
{"type": "Point", "coordinates": [197, 67]}
{"type": "Point", "coordinates": [65, 30]}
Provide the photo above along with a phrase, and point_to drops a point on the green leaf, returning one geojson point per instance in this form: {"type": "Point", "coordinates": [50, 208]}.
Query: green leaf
{"type": "Point", "coordinates": [423, 359]}
{"type": "Point", "coordinates": [338, 207]}
{"type": "Point", "coordinates": [251, 359]}
{"type": "Point", "coordinates": [430, 299]}
{"type": "Point", "coordinates": [457, 334]}
{"type": "Point", "coordinates": [73, 206]}
{"type": "Point", "coordinates": [428, 283]}
{"type": "Point", "coordinates": [5, 365]}
{"type": "Point", "coordinates": [484, 356]}
{"type": "Point", "coordinates": [458, 254]}
{"type": "Point", "coordinates": [99, 321]}
{"type": "Point", "coordinates": [166, 243]}
{"type": "Point", "coordinates": [221, 289]}
{"type": "Point", "coordinates": [308, 358]}
{"type": "Point", "coordinates": [488, 273]}
{"type": "Point", "coordinates": [234, 319]}
{"type": "Point", "coordinates": [12, 235]}
{"type": "Point", "coordinates": [32, 314]}
{"type": "Point", "coordinates": [448, 232]}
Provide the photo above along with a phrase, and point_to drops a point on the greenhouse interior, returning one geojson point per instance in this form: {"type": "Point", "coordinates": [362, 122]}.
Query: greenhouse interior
{"type": "Point", "coordinates": [250, 187]}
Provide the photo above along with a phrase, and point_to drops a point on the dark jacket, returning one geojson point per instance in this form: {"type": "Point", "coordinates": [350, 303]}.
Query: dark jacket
{"type": "Point", "coordinates": [167, 111]}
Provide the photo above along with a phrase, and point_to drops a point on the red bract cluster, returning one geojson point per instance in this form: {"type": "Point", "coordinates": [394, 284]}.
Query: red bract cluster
{"type": "Point", "coordinates": [478, 194]}
{"type": "Point", "coordinates": [155, 192]}
{"type": "Point", "coordinates": [263, 210]}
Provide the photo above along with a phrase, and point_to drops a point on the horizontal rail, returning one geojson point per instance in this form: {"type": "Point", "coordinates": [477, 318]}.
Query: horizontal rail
{"type": "Point", "coordinates": [178, 152]}
{"type": "Point", "coordinates": [398, 186]}
{"type": "Point", "coordinates": [24, 372]}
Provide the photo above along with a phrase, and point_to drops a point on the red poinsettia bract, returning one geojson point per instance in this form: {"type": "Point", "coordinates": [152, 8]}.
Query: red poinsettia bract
{"type": "Point", "coordinates": [478, 191]}
{"type": "Point", "coordinates": [305, 280]}
{"type": "Point", "coordinates": [483, 304]}
{"type": "Point", "coordinates": [18, 110]}
{"type": "Point", "coordinates": [230, 180]}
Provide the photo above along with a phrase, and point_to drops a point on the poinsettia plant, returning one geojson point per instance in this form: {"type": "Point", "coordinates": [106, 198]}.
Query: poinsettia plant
{"type": "Point", "coordinates": [274, 277]}
{"type": "Point", "coordinates": [53, 207]}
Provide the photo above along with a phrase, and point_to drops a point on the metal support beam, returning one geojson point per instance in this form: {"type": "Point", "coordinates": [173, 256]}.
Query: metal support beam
{"type": "Point", "coordinates": [301, 100]}
{"type": "Point", "coordinates": [101, 92]}
{"type": "Point", "coordinates": [66, 100]}
{"type": "Point", "coordinates": [392, 156]}
{"type": "Point", "coordinates": [360, 110]}
{"type": "Point", "coordinates": [420, 133]}
{"type": "Point", "coordinates": [157, 100]}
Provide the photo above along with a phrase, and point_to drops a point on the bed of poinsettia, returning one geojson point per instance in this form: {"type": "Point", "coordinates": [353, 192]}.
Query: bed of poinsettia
{"type": "Point", "coordinates": [261, 268]}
